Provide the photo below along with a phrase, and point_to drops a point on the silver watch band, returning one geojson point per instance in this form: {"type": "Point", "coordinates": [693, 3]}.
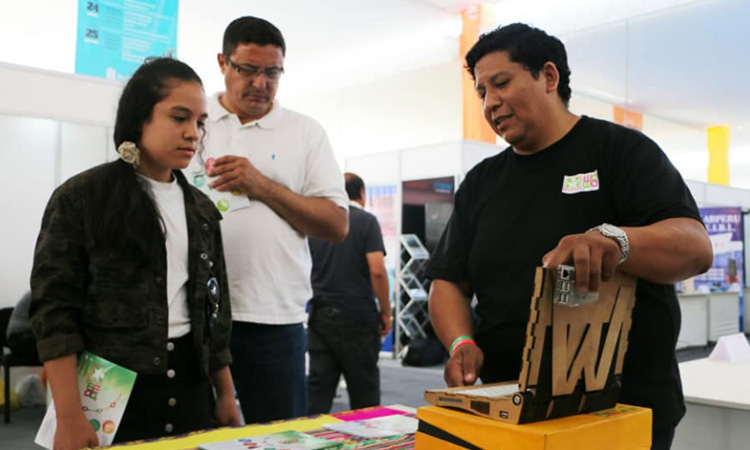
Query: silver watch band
{"type": "Point", "coordinates": [618, 235]}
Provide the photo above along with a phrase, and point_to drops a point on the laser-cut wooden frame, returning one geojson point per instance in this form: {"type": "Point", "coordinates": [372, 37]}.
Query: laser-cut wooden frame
{"type": "Point", "coordinates": [572, 361]}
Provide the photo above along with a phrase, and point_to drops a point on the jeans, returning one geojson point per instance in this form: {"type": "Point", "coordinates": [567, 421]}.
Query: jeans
{"type": "Point", "coordinates": [269, 370]}
{"type": "Point", "coordinates": [340, 345]}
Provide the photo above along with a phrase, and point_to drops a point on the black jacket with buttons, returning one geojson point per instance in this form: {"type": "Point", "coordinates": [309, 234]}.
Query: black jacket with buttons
{"type": "Point", "coordinates": [86, 298]}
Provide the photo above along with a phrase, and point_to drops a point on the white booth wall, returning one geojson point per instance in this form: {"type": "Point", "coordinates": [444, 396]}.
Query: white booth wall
{"type": "Point", "coordinates": [52, 126]}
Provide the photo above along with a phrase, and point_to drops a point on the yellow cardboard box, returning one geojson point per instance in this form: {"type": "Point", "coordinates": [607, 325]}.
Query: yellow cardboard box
{"type": "Point", "coordinates": [623, 427]}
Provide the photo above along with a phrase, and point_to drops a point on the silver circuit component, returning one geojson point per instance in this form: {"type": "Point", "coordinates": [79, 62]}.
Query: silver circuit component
{"type": "Point", "coordinates": [565, 289]}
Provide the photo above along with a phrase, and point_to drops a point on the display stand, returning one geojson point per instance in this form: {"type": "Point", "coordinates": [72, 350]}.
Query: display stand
{"type": "Point", "coordinates": [411, 293]}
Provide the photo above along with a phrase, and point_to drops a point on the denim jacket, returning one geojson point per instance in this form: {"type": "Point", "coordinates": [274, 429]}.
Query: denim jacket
{"type": "Point", "coordinates": [86, 298]}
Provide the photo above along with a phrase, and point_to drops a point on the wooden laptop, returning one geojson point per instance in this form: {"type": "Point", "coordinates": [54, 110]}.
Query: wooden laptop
{"type": "Point", "coordinates": [573, 358]}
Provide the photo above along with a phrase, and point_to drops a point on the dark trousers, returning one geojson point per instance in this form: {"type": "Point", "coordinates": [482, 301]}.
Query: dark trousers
{"type": "Point", "coordinates": [269, 370]}
{"type": "Point", "coordinates": [662, 437]}
{"type": "Point", "coordinates": [177, 402]}
{"type": "Point", "coordinates": [339, 345]}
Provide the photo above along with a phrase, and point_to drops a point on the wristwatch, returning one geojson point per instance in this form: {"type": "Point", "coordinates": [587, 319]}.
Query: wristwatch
{"type": "Point", "coordinates": [618, 235]}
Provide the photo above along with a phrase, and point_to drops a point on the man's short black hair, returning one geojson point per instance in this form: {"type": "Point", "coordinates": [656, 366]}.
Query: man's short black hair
{"type": "Point", "coordinates": [354, 185]}
{"type": "Point", "coordinates": [252, 30]}
{"type": "Point", "coordinates": [528, 46]}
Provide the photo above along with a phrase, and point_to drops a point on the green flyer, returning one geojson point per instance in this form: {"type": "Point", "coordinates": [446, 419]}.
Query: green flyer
{"type": "Point", "coordinates": [105, 389]}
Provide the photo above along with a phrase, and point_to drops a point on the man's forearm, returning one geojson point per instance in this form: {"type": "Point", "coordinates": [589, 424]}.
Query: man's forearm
{"type": "Point", "coordinates": [382, 292]}
{"type": "Point", "coordinates": [668, 251]}
{"type": "Point", "coordinates": [313, 216]}
{"type": "Point", "coordinates": [450, 312]}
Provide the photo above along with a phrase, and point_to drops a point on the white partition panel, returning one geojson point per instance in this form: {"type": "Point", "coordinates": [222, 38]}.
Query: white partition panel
{"type": "Point", "coordinates": [42, 93]}
{"type": "Point", "coordinates": [376, 169]}
{"type": "Point", "coordinates": [82, 147]}
{"type": "Point", "coordinates": [708, 194]}
{"type": "Point", "coordinates": [29, 153]}
{"type": "Point", "coordinates": [694, 329]}
{"type": "Point", "coordinates": [111, 151]}
{"type": "Point", "coordinates": [723, 314]}
{"type": "Point", "coordinates": [431, 161]}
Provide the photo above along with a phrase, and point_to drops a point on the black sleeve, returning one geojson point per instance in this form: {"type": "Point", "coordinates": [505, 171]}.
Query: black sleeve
{"type": "Point", "coordinates": [59, 278]}
{"type": "Point", "coordinates": [649, 188]}
{"type": "Point", "coordinates": [450, 258]}
{"type": "Point", "coordinates": [374, 237]}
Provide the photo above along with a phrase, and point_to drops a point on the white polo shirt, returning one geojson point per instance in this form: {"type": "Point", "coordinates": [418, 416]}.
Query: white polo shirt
{"type": "Point", "coordinates": [268, 261]}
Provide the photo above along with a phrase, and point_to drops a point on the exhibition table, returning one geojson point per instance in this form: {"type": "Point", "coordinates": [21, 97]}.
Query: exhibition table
{"type": "Point", "coordinates": [309, 425]}
{"type": "Point", "coordinates": [717, 395]}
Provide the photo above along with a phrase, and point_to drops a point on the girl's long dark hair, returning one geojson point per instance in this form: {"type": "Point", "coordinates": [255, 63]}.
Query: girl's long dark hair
{"type": "Point", "coordinates": [129, 221]}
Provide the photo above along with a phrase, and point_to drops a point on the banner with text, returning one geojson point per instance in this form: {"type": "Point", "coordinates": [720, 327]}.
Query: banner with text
{"type": "Point", "coordinates": [116, 36]}
{"type": "Point", "coordinates": [726, 230]}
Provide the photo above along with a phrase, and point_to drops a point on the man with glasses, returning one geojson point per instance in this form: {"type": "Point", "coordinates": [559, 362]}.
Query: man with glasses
{"type": "Point", "coordinates": [284, 163]}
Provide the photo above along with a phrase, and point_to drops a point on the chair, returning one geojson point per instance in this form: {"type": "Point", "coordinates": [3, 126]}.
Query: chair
{"type": "Point", "coordinates": [8, 360]}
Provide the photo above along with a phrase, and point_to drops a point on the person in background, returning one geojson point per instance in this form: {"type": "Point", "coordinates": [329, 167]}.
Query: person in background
{"type": "Point", "coordinates": [129, 266]}
{"type": "Point", "coordinates": [282, 161]}
{"type": "Point", "coordinates": [344, 328]}
{"type": "Point", "coordinates": [569, 190]}
{"type": "Point", "coordinates": [20, 337]}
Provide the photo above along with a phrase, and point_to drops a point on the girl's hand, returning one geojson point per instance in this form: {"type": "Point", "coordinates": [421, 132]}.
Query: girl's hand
{"type": "Point", "coordinates": [74, 433]}
{"type": "Point", "coordinates": [226, 412]}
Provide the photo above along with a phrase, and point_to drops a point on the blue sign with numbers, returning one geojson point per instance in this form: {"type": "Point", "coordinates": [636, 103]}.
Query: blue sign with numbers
{"type": "Point", "coordinates": [115, 36]}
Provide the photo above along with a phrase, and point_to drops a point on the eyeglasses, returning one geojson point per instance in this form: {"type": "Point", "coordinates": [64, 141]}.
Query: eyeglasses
{"type": "Point", "coordinates": [212, 295]}
{"type": "Point", "coordinates": [251, 71]}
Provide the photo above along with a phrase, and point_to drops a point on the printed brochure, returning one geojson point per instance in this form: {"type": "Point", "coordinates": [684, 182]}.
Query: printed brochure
{"type": "Point", "coordinates": [379, 427]}
{"type": "Point", "coordinates": [224, 201]}
{"type": "Point", "coordinates": [286, 440]}
{"type": "Point", "coordinates": [105, 389]}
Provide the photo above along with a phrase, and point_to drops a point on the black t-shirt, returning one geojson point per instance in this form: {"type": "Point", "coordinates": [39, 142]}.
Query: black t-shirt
{"type": "Point", "coordinates": [512, 209]}
{"type": "Point", "coordinates": [340, 273]}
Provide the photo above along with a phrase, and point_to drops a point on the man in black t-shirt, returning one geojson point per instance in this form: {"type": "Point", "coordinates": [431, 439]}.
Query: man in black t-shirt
{"type": "Point", "coordinates": [568, 190]}
{"type": "Point", "coordinates": [345, 326]}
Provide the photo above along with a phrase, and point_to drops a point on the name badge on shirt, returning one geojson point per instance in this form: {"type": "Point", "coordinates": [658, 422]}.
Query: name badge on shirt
{"type": "Point", "coordinates": [582, 182]}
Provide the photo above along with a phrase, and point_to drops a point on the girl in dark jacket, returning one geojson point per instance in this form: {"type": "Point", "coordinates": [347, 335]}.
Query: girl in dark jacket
{"type": "Point", "coordinates": [129, 266]}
